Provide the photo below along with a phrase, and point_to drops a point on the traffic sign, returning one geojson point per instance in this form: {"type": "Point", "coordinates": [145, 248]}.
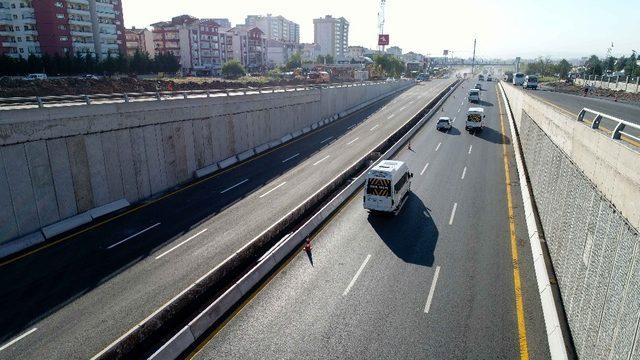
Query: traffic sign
{"type": "Point", "coordinates": [383, 39]}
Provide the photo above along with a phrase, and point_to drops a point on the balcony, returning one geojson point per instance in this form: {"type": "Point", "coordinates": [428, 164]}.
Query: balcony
{"type": "Point", "coordinates": [83, 2]}
{"type": "Point", "coordinates": [80, 22]}
{"type": "Point", "coordinates": [82, 33]}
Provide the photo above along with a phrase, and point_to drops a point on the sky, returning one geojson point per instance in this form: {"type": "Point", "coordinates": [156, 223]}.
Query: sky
{"type": "Point", "coordinates": [503, 28]}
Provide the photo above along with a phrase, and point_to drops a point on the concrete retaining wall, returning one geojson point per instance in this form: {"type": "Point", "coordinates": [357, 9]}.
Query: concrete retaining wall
{"type": "Point", "coordinates": [56, 163]}
{"type": "Point", "coordinates": [585, 187]}
{"type": "Point", "coordinates": [620, 85]}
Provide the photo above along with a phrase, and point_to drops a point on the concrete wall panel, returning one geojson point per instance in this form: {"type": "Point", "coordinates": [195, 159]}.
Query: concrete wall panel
{"type": "Point", "coordinates": [42, 182]}
{"type": "Point", "coordinates": [112, 165]}
{"type": "Point", "coordinates": [169, 151]}
{"type": "Point", "coordinates": [199, 137]}
{"type": "Point", "coordinates": [22, 196]}
{"type": "Point", "coordinates": [182, 165]}
{"type": "Point", "coordinates": [8, 225]}
{"type": "Point", "coordinates": [140, 163]}
{"type": "Point", "coordinates": [189, 143]}
{"type": "Point", "coordinates": [80, 172]}
{"type": "Point", "coordinates": [127, 166]}
{"type": "Point", "coordinates": [97, 168]}
{"type": "Point", "coordinates": [62, 179]}
{"type": "Point", "coordinates": [155, 164]}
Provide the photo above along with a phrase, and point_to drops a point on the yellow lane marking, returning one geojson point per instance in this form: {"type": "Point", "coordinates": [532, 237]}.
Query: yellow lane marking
{"type": "Point", "coordinates": [522, 331]}
{"type": "Point", "coordinates": [143, 205]}
{"type": "Point", "coordinates": [254, 294]}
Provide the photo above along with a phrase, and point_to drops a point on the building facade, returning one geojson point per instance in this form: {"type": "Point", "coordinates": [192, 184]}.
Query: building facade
{"type": "Point", "coordinates": [139, 40]}
{"type": "Point", "coordinates": [395, 51]}
{"type": "Point", "coordinates": [332, 34]}
{"type": "Point", "coordinates": [276, 28]}
{"type": "Point", "coordinates": [309, 52]}
{"type": "Point", "coordinates": [201, 44]}
{"type": "Point", "coordinates": [249, 47]}
{"type": "Point", "coordinates": [62, 26]}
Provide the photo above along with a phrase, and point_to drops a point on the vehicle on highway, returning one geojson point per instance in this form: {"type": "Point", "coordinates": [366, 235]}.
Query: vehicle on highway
{"type": "Point", "coordinates": [489, 78]}
{"type": "Point", "coordinates": [508, 76]}
{"type": "Point", "coordinates": [387, 186]}
{"type": "Point", "coordinates": [474, 95]}
{"type": "Point", "coordinates": [444, 124]}
{"type": "Point", "coordinates": [36, 76]}
{"type": "Point", "coordinates": [319, 77]}
{"type": "Point", "coordinates": [530, 82]}
{"type": "Point", "coordinates": [422, 77]}
{"type": "Point", "coordinates": [481, 77]}
{"type": "Point", "coordinates": [475, 119]}
{"type": "Point", "coordinates": [518, 79]}
{"type": "Point", "coordinates": [478, 86]}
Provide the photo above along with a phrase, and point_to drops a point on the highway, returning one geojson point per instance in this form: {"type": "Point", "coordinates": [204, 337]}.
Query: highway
{"type": "Point", "coordinates": [74, 296]}
{"type": "Point", "coordinates": [571, 105]}
{"type": "Point", "coordinates": [437, 281]}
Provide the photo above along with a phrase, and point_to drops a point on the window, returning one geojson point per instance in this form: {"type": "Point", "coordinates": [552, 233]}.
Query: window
{"type": "Point", "coordinates": [64, 38]}
{"type": "Point", "coordinates": [400, 184]}
{"type": "Point", "coordinates": [60, 16]}
{"type": "Point", "coordinates": [58, 4]}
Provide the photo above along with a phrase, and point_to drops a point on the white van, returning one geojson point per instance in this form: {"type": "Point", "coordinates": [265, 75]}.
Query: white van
{"type": "Point", "coordinates": [474, 95]}
{"type": "Point", "coordinates": [475, 119]}
{"type": "Point", "coordinates": [518, 79]}
{"type": "Point", "coordinates": [530, 82]}
{"type": "Point", "coordinates": [386, 186]}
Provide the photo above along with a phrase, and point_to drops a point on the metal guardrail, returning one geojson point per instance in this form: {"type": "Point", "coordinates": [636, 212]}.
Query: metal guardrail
{"type": "Point", "coordinates": [620, 126]}
{"type": "Point", "coordinates": [43, 101]}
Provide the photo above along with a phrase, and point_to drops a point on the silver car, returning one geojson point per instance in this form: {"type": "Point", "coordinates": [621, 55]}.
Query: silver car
{"type": "Point", "coordinates": [444, 124]}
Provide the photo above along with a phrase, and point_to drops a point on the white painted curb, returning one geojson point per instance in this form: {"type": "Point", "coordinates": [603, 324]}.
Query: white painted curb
{"type": "Point", "coordinates": [555, 335]}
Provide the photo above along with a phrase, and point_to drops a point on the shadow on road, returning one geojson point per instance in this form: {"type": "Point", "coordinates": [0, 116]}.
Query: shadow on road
{"type": "Point", "coordinates": [454, 131]}
{"type": "Point", "coordinates": [492, 136]}
{"type": "Point", "coordinates": [411, 235]}
{"type": "Point", "coordinates": [485, 103]}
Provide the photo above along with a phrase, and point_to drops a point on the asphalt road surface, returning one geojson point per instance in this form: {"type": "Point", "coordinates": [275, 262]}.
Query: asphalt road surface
{"type": "Point", "coordinates": [437, 281]}
{"type": "Point", "coordinates": [75, 296]}
{"type": "Point", "coordinates": [571, 105]}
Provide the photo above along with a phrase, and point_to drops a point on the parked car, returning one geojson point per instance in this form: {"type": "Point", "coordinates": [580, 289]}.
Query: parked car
{"type": "Point", "coordinates": [530, 82]}
{"type": "Point", "coordinates": [36, 76]}
{"type": "Point", "coordinates": [444, 124]}
{"type": "Point", "coordinates": [478, 86]}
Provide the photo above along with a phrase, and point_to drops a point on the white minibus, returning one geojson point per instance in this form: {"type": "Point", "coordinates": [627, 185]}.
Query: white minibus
{"type": "Point", "coordinates": [386, 186]}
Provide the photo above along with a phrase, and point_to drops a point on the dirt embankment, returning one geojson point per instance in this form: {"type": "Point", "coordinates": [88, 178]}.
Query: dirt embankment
{"type": "Point", "coordinates": [622, 96]}
{"type": "Point", "coordinates": [10, 87]}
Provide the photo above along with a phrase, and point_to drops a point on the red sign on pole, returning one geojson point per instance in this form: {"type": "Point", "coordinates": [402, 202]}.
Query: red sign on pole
{"type": "Point", "coordinates": [383, 39]}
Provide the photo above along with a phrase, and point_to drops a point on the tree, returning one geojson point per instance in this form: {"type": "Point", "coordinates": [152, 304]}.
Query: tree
{"type": "Point", "coordinates": [328, 59]}
{"type": "Point", "coordinates": [390, 65]}
{"type": "Point", "coordinates": [320, 59]}
{"type": "Point", "coordinates": [563, 68]}
{"type": "Point", "coordinates": [232, 69]}
{"type": "Point", "coordinates": [295, 61]}
{"type": "Point", "coordinates": [594, 66]}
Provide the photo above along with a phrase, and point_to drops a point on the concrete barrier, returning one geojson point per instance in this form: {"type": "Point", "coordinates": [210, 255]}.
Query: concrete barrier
{"type": "Point", "coordinates": [65, 225]}
{"type": "Point", "coordinates": [22, 243]}
{"type": "Point", "coordinates": [108, 208]}
{"type": "Point", "coordinates": [266, 263]}
{"type": "Point", "coordinates": [207, 170]}
{"type": "Point", "coordinates": [586, 188]}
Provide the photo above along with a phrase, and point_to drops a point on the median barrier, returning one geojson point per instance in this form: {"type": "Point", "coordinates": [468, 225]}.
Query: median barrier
{"type": "Point", "coordinates": [262, 148]}
{"type": "Point", "coordinates": [228, 162]}
{"type": "Point", "coordinates": [52, 230]}
{"type": "Point", "coordinates": [258, 245]}
{"type": "Point", "coordinates": [108, 208]}
{"type": "Point", "coordinates": [22, 243]}
{"type": "Point", "coordinates": [207, 170]}
{"type": "Point", "coordinates": [245, 155]}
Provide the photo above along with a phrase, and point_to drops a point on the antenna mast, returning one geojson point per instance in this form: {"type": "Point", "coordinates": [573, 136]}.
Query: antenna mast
{"type": "Point", "coordinates": [381, 22]}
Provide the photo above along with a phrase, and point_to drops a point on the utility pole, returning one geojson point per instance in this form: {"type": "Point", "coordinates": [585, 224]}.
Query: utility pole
{"type": "Point", "coordinates": [381, 19]}
{"type": "Point", "coordinates": [473, 60]}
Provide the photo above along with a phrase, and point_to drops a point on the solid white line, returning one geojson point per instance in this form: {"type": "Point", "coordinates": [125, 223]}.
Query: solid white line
{"type": "Point", "coordinates": [438, 147]}
{"type": "Point", "coordinates": [464, 171]}
{"type": "Point", "coordinates": [425, 169]}
{"type": "Point", "coordinates": [17, 339]}
{"type": "Point", "coordinates": [134, 235]}
{"type": "Point", "coordinates": [391, 116]}
{"type": "Point", "coordinates": [269, 192]}
{"type": "Point", "coordinates": [453, 213]}
{"type": "Point", "coordinates": [373, 128]}
{"type": "Point", "coordinates": [355, 277]}
{"type": "Point", "coordinates": [293, 157]}
{"type": "Point", "coordinates": [321, 160]}
{"type": "Point", "coordinates": [234, 186]}
{"type": "Point", "coordinates": [325, 140]}
{"type": "Point", "coordinates": [432, 290]}
{"type": "Point", "coordinates": [182, 243]}
{"type": "Point", "coordinates": [470, 147]}
{"type": "Point", "coordinates": [352, 141]}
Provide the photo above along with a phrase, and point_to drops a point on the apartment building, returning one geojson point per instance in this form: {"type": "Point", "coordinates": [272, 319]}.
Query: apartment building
{"type": "Point", "coordinates": [249, 47]}
{"type": "Point", "coordinates": [201, 44]}
{"type": "Point", "coordinates": [309, 52]}
{"type": "Point", "coordinates": [332, 34]}
{"type": "Point", "coordinates": [276, 28]}
{"type": "Point", "coordinates": [139, 40]}
{"type": "Point", "coordinates": [61, 26]}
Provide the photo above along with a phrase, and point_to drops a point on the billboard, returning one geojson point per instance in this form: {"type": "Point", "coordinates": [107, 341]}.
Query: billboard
{"type": "Point", "coordinates": [383, 39]}
{"type": "Point", "coordinates": [445, 52]}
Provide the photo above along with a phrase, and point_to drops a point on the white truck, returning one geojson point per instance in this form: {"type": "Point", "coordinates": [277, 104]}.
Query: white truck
{"type": "Point", "coordinates": [474, 95]}
{"type": "Point", "coordinates": [518, 79]}
{"type": "Point", "coordinates": [387, 186]}
{"type": "Point", "coordinates": [475, 119]}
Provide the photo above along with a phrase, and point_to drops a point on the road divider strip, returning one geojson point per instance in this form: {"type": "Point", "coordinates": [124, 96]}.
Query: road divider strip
{"type": "Point", "coordinates": [183, 304]}
{"type": "Point", "coordinates": [275, 188]}
{"type": "Point", "coordinates": [133, 236]}
{"type": "Point", "coordinates": [432, 290]}
{"type": "Point", "coordinates": [180, 244]}
{"type": "Point", "coordinates": [424, 169]}
{"type": "Point", "coordinates": [234, 186]}
{"type": "Point", "coordinates": [453, 213]}
{"type": "Point", "coordinates": [356, 276]}
{"type": "Point", "coordinates": [557, 337]}
{"type": "Point", "coordinates": [291, 158]}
